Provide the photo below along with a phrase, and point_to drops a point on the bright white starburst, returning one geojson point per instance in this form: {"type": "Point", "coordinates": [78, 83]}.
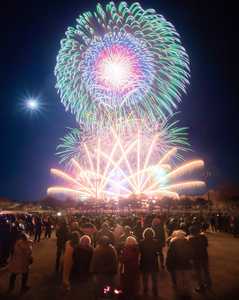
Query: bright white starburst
{"type": "Point", "coordinates": [32, 104]}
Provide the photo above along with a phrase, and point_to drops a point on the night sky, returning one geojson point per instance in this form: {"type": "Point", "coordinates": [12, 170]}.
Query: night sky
{"type": "Point", "coordinates": [30, 39]}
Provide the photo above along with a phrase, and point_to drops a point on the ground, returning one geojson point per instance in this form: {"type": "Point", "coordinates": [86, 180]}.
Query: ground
{"type": "Point", "coordinates": [46, 284]}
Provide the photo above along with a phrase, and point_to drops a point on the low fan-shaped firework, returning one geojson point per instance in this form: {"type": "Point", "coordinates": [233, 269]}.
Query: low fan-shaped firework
{"type": "Point", "coordinates": [164, 135]}
{"type": "Point", "coordinates": [121, 59]}
{"type": "Point", "coordinates": [111, 175]}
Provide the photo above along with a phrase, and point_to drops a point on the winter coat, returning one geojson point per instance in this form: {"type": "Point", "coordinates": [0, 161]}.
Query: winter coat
{"type": "Point", "coordinates": [104, 261]}
{"type": "Point", "coordinates": [67, 262]}
{"type": "Point", "coordinates": [200, 244]}
{"type": "Point", "coordinates": [81, 257]}
{"type": "Point", "coordinates": [179, 254]}
{"type": "Point", "coordinates": [120, 243]}
{"type": "Point", "coordinates": [159, 235]}
{"type": "Point", "coordinates": [38, 226]}
{"type": "Point", "coordinates": [149, 256]}
{"type": "Point", "coordinates": [130, 272]}
{"type": "Point", "coordinates": [62, 235]}
{"type": "Point", "coordinates": [20, 259]}
{"type": "Point", "coordinates": [48, 224]}
{"type": "Point", "coordinates": [138, 232]}
{"type": "Point", "coordinates": [5, 241]}
{"type": "Point", "coordinates": [118, 231]}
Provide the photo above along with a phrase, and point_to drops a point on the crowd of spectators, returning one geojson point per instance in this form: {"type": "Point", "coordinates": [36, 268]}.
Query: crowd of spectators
{"type": "Point", "coordinates": [93, 250]}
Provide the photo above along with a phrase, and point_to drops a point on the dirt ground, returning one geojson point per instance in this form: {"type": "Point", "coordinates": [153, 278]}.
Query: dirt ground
{"type": "Point", "coordinates": [46, 284]}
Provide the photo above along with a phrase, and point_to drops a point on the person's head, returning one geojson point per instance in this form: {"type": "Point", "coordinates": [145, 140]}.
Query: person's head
{"type": "Point", "coordinates": [104, 241]}
{"type": "Point", "coordinates": [63, 224]}
{"type": "Point", "coordinates": [85, 240]}
{"type": "Point", "coordinates": [22, 236]}
{"type": "Point", "coordinates": [183, 227]}
{"type": "Point", "coordinates": [111, 223]}
{"type": "Point", "coordinates": [138, 223]}
{"type": "Point", "coordinates": [74, 238]}
{"type": "Point", "coordinates": [131, 241]}
{"type": "Point", "coordinates": [105, 226]}
{"type": "Point", "coordinates": [75, 225]}
{"type": "Point", "coordinates": [127, 230]}
{"type": "Point", "coordinates": [148, 234]}
{"type": "Point", "coordinates": [118, 230]}
{"type": "Point", "coordinates": [193, 230]}
{"type": "Point", "coordinates": [180, 234]}
{"type": "Point", "coordinates": [156, 221]}
{"type": "Point", "coordinates": [87, 220]}
{"type": "Point", "coordinates": [118, 220]}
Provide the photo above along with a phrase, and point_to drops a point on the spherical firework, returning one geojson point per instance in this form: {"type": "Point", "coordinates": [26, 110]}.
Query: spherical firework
{"type": "Point", "coordinates": [121, 59]}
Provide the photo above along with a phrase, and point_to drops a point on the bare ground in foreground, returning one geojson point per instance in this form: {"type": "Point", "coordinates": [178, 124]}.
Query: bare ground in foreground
{"type": "Point", "coordinates": [46, 284]}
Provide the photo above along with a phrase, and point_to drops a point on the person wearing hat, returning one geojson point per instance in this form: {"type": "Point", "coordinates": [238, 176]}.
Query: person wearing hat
{"type": "Point", "coordinates": [82, 255]}
{"type": "Point", "coordinates": [105, 232]}
{"type": "Point", "coordinates": [130, 272]}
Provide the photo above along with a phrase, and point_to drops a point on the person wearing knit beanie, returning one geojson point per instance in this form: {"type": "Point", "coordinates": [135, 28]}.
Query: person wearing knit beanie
{"type": "Point", "coordinates": [130, 272]}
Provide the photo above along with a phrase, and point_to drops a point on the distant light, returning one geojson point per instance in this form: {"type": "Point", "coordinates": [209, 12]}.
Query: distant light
{"type": "Point", "coordinates": [59, 214]}
{"type": "Point", "coordinates": [32, 103]}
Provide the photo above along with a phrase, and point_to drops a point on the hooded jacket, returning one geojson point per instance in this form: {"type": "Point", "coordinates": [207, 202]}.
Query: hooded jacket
{"type": "Point", "coordinates": [104, 261]}
{"type": "Point", "coordinates": [179, 254]}
{"type": "Point", "coordinates": [20, 258]}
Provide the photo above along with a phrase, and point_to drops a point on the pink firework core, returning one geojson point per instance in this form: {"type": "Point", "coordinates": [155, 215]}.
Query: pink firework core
{"type": "Point", "coordinates": [117, 69]}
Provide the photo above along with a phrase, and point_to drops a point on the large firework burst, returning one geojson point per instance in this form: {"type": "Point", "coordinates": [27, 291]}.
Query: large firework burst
{"type": "Point", "coordinates": [112, 175]}
{"type": "Point", "coordinates": [121, 71]}
{"type": "Point", "coordinates": [164, 135]}
{"type": "Point", "coordinates": [120, 59]}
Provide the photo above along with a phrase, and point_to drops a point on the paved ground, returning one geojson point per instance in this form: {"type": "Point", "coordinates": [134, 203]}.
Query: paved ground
{"type": "Point", "coordinates": [46, 284]}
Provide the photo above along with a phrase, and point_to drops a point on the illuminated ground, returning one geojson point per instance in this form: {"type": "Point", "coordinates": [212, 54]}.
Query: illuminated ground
{"type": "Point", "coordinates": [45, 284]}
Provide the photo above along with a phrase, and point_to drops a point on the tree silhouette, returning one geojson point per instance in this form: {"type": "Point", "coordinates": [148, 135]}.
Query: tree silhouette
{"type": "Point", "coordinates": [70, 203]}
{"type": "Point", "coordinates": [50, 202]}
{"type": "Point", "coordinates": [228, 192]}
{"type": "Point", "coordinates": [5, 203]}
{"type": "Point", "coordinates": [167, 202]}
{"type": "Point", "coordinates": [185, 203]}
{"type": "Point", "coordinates": [79, 205]}
{"type": "Point", "coordinates": [133, 201]}
{"type": "Point", "coordinates": [122, 203]}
